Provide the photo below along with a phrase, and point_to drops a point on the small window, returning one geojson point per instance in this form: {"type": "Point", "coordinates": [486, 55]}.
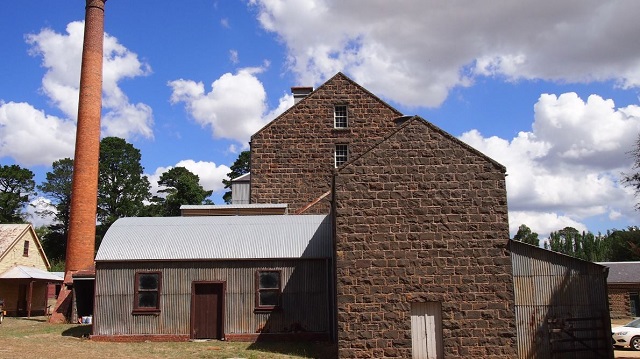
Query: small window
{"type": "Point", "coordinates": [267, 290]}
{"type": "Point", "coordinates": [147, 292]}
{"type": "Point", "coordinates": [25, 250]}
{"type": "Point", "coordinates": [341, 154]}
{"type": "Point", "coordinates": [340, 117]}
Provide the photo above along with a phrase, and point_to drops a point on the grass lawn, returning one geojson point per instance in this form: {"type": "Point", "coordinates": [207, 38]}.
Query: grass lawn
{"type": "Point", "coordinates": [36, 338]}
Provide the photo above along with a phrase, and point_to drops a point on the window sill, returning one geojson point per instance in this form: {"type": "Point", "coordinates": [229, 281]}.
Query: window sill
{"type": "Point", "coordinates": [145, 312]}
{"type": "Point", "coordinates": [266, 310]}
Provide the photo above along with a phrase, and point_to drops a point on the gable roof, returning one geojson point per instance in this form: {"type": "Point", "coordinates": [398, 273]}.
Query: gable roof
{"type": "Point", "coordinates": [327, 83]}
{"type": "Point", "coordinates": [10, 234]}
{"type": "Point", "coordinates": [623, 272]}
{"type": "Point", "coordinates": [217, 237]}
{"type": "Point", "coordinates": [406, 121]}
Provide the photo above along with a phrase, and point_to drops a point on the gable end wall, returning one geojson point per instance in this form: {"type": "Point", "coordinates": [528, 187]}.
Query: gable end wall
{"type": "Point", "coordinates": [422, 218]}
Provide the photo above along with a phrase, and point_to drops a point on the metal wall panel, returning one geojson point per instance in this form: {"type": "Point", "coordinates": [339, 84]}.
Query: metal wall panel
{"type": "Point", "coordinates": [561, 305]}
{"type": "Point", "coordinates": [305, 298]}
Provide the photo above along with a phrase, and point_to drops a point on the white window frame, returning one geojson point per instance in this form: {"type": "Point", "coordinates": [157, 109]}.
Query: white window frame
{"type": "Point", "coordinates": [340, 116]}
{"type": "Point", "coordinates": [340, 154]}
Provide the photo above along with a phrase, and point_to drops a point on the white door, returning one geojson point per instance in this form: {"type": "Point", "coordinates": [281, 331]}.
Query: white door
{"type": "Point", "coordinates": [426, 330]}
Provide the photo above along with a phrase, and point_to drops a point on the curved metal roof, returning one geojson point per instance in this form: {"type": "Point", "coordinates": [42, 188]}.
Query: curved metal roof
{"type": "Point", "coordinates": [223, 237]}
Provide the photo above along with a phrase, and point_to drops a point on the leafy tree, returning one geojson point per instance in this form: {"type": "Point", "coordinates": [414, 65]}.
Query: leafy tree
{"type": "Point", "coordinates": [633, 179]}
{"type": "Point", "coordinates": [182, 187]}
{"type": "Point", "coordinates": [526, 235]}
{"type": "Point", "coordinates": [57, 188]}
{"type": "Point", "coordinates": [16, 187]}
{"type": "Point", "coordinates": [122, 187]}
{"type": "Point", "coordinates": [241, 166]}
{"type": "Point", "coordinates": [583, 245]}
{"type": "Point", "coordinates": [625, 244]}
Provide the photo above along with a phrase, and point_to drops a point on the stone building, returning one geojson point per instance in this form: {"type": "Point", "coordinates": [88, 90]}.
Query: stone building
{"type": "Point", "coordinates": [421, 264]}
{"type": "Point", "coordinates": [421, 228]}
{"type": "Point", "coordinates": [293, 157]}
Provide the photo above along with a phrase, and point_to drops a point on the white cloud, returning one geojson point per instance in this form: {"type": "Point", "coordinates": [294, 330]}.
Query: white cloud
{"type": "Point", "coordinates": [211, 175]}
{"type": "Point", "coordinates": [52, 137]}
{"type": "Point", "coordinates": [426, 48]}
{"type": "Point", "coordinates": [37, 206]}
{"type": "Point", "coordinates": [235, 108]}
{"type": "Point", "coordinates": [31, 137]}
{"type": "Point", "coordinates": [568, 168]}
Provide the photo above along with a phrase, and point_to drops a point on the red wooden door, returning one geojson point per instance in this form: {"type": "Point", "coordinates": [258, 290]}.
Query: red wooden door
{"type": "Point", "coordinates": [207, 303]}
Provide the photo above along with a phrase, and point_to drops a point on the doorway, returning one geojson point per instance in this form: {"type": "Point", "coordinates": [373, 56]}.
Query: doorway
{"type": "Point", "coordinates": [207, 310]}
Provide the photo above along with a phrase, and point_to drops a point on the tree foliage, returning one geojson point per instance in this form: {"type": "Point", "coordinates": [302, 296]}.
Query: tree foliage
{"type": "Point", "coordinates": [633, 179]}
{"type": "Point", "coordinates": [122, 187]}
{"type": "Point", "coordinates": [16, 188]}
{"type": "Point", "coordinates": [625, 244]}
{"type": "Point", "coordinates": [583, 245]}
{"type": "Point", "coordinates": [57, 188]}
{"type": "Point", "coordinates": [241, 166]}
{"type": "Point", "coordinates": [526, 235]}
{"type": "Point", "coordinates": [182, 187]}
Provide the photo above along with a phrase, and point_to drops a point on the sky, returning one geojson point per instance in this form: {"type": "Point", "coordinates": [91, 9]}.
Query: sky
{"type": "Point", "coordinates": [550, 91]}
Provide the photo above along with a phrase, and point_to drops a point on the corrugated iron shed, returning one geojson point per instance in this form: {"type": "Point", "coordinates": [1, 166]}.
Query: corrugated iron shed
{"type": "Point", "coordinates": [217, 237]}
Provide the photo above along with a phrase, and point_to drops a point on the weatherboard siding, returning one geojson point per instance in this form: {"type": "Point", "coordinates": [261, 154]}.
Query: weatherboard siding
{"type": "Point", "coordinates": [304, 297]}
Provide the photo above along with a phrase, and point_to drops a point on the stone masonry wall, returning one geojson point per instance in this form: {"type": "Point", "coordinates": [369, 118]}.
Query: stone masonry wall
{"type": "Point", "coordinates": [292, 158]}
{"type": "Point", "coordinates": [423, 217]}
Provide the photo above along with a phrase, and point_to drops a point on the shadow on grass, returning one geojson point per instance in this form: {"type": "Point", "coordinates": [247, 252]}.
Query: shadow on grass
{"type": "Point", "coordinates": [317, 350]}
{"type": "Point", "coordinates": [79, 331]}
{"type": "Point", "coordinates": [33, 319]}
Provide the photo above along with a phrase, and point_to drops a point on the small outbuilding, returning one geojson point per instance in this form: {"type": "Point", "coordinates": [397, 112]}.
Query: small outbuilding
{"type": "Point", "coordinates": [24, 274]}
{"type": "Point", "coordinates": [214, 277]}
{"type": "Point", "coordinates": [624, 288]}
{"type": "Point", "coordinates": [561, 305]}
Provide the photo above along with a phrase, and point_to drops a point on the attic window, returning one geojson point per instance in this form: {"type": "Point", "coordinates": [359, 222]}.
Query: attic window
{"type": "Point", "coordinates": [341, 154]}
{"type": "Point", "coordinates": [340, 116]}
{"type": "Point", "coordinates": [147, 293]}
{"type": "Point", "coordinates": [268, 287]}
{"type": "Point", "coordinates": [25, 251]}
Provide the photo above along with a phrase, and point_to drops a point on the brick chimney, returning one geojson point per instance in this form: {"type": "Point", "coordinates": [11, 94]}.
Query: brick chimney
{"type": "Point", "coordinates": [84, 190]}
{"type": "Point", "coordinates": [300, 92]}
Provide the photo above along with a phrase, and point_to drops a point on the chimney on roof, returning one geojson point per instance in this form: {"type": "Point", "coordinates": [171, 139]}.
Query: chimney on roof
{"type": "Point", "coordinates": [402, 119]}
{"type": "Point", "coordinates": [300, 92]}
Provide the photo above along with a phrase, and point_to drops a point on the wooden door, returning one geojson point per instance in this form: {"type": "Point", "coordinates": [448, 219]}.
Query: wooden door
{"type": "Point", "coordinates": [207, 310]}
{"type": "Point", "coordinates": [426, 330]}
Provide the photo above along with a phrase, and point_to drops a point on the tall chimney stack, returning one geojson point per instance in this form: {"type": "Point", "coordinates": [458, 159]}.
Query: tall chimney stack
{"type": "Point", "coordinates": [84, 190]}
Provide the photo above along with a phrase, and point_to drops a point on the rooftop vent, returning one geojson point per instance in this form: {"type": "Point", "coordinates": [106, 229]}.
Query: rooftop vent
{"type": "Point", "coordinates": [402, 119]}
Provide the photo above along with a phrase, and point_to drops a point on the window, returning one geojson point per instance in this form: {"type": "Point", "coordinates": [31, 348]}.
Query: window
{"type": "Point", "coordinates": [340, 117]}
{"type": "Point", "coordinates": [147, 292]}
{"type": "Point", "coordinates": [25, 251]}
{"type": "Point", "coordinates": [267, 290]}
{"type": "Point", "coordinates": [341, 154]}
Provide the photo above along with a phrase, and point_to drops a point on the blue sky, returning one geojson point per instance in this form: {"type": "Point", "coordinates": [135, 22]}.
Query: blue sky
{"type": "Point", "coordinates": [551, 92]}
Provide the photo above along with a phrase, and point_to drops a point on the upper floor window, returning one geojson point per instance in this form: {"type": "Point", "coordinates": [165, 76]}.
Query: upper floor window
{"type": "Point", "coordinates": [147, 292]}
{"type": "Point", "coordinates": [25, 250]}
{"type": "Point", "coordinates": [341, 154]}
{"type": "Point", "coordinates": [268, 288]}
{"type": "Point", "coordinates": [340, 116]}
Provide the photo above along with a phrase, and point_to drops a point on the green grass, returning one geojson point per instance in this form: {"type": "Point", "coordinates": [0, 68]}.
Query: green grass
{"type": "Point", "coordinates": [36, 338]}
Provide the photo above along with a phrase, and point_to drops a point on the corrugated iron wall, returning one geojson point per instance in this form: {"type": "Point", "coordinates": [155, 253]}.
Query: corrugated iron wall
{"type": "Point", "coordinates": [561, 305]}
{"type": "Point", "coordinates": [304, 296]}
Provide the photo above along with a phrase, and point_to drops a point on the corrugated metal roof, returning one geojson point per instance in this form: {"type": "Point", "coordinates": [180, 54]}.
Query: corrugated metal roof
{"type": "Point", "coordinates": [23, 272]}
{"type": "Point", "coordinates": [236, 237]}
{"type": "Point", "coordinates": [622, 272]}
